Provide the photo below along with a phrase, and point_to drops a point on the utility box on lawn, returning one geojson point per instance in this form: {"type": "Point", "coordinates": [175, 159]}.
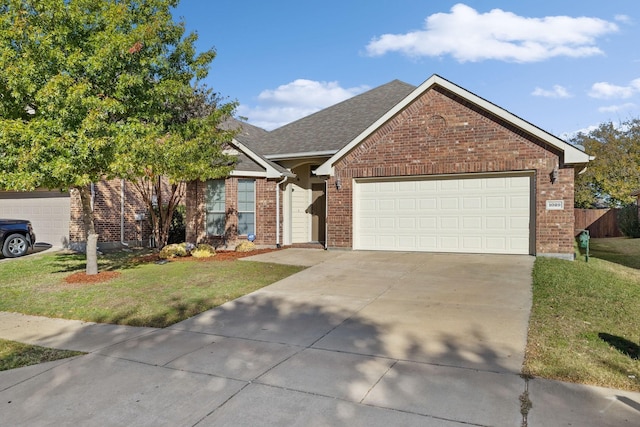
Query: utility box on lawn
{"type": "Point", "coordinates": [583, 241]}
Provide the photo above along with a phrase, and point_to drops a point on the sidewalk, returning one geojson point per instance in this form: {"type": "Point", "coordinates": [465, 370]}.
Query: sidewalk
{"type": "Point", "coordinates": [553, 403]}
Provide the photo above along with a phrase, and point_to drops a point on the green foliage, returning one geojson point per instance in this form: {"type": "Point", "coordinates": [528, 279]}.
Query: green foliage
{"type": "Point", "coordinates": [203, 251]}
{"type": "Point", "coordinates": [99, 89]}
{"type": "Point", "coordinates": [173, 250]}
{"type": "Point", "coordinates": [78, 81]}
{"type": "Point", "coordinates": [615, 173]}
{"type": "Point", "coordinates": [628, 221]}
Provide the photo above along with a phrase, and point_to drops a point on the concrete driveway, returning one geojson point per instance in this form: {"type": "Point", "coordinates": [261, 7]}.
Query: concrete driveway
{"type": "Point", "coordinates": [357, 339]}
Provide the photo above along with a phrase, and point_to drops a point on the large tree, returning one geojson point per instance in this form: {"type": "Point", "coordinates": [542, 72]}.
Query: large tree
{"type": "Point", "coordinates": [192, 148]}
{"type": "Point", "coordinates": [81, 82]}
{"type": "Point", "coordinates": [615, 173]}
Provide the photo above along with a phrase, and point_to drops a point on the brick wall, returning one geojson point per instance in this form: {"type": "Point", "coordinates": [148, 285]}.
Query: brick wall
{"type": "Point", "coordinates": [440, 133]}
{"type": "Point", "coordinates": [265, 213]}
{"type": "Point", "coordinates": [107, 211]}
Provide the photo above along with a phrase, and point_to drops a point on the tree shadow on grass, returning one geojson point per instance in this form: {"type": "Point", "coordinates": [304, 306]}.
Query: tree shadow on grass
{"type": "Point", "coordinates": [113, 261]}
{"type": "Point", "coordinates": [623, 345]}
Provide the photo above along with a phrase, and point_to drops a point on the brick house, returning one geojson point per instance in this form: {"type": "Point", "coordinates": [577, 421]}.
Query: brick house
{"type": "Point", "coordinates": [399, 168]}
{"type": "Point", "coordinates": [427, 168]}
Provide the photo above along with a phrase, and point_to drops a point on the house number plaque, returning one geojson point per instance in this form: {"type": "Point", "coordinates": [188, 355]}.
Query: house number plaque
{"type": "Point", "coordinates": [555, 205]}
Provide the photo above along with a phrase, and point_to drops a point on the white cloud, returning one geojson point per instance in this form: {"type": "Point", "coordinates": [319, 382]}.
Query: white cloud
{"type": "Point", "coordinates": [468, 35]}
{"type": "Point", "coordinates": [566, 136]}
{"type": "Point", "coordinates": [617, 108]}
{"type": "Point", "coordinates": [294, 100]}
{"type": "Point", "coordinates": [625, 19]}
{"type": "Point", "coordinates": [557, 92]}
{"type": "Point", "coordinates": [605, 90]}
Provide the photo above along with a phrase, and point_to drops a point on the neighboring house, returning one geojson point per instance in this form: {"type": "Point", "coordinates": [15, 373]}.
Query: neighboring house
{"type": "Point", "coordinates": [400, 168]}
{"type": "Point", "coordinates": [57, 216]}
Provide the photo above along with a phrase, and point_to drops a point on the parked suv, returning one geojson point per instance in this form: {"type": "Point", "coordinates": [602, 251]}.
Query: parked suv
{"type": "Point", "coordinates": [16, 237]}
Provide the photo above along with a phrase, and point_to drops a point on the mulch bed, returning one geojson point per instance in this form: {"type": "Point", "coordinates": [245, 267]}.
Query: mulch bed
{"type": "Point", "coordinates": [82, 278]}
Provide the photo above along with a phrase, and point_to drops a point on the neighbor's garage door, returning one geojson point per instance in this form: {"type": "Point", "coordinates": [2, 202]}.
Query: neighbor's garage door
{"type": "Point", "coordinates": [475, 215]}
{"type": "Point", "coordinates": [48, 211]}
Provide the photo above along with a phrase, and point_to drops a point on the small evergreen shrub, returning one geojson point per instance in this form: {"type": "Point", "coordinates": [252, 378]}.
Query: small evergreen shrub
{"type": "Point", "coordinates": [628, 221]}
{"type": "Point", "coordinates": [178, 228]}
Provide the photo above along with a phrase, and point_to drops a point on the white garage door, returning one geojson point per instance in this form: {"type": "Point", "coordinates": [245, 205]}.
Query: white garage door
{"type": "Point", "coordinates": [473, 215]}
{"type": "Point", "coordinates": [48, 211]}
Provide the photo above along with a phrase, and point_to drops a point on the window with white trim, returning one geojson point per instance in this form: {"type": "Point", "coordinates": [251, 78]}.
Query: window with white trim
{"type": "Point", "coordinates": [215, 206]}
{"type": "Point", "coordinates": [246, 206]}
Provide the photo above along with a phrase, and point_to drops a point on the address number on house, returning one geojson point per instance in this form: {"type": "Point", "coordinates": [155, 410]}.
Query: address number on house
{"type": "Point", "coordinates": [555, 205]}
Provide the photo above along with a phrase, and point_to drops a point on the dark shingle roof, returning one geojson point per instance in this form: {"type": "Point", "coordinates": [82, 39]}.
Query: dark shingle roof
{"type": "Point", "coordinates": [334, 127]}
{"type": "Point", "coordinates": [250, 136]}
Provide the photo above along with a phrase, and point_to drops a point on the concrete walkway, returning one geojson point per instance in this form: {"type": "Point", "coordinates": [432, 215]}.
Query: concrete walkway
{"type": "Point", "coordinates": [358, 338]}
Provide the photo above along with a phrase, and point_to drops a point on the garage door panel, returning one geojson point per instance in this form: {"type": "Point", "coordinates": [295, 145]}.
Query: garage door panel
{"type": "Point", "coordinates": [429, 204]}
{"type": "Point", "coordinates": [472, 223]}
{"type": "Point", "coordinates": [407, 223]}
{"type": "Point", "coordinates": [489, 214]}
{"type": "Point", "coordinates": [496, 243]}
{"type": "Point", "coordinates": [428, 223]}
{"type": "Point", "coordinates": [472, 243]}
{"type": "Point", "coordinates": [449, 223]}
{"type": "Point", "coordinates": [449, 203]}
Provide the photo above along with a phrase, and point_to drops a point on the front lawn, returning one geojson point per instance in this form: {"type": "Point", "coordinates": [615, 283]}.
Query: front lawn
{"type": "Point", "coordinates": [16, 355]}
{"type": "Point", "coordinates": [143, 294]}
{"type": "Point", "coordinates": [585, 318]}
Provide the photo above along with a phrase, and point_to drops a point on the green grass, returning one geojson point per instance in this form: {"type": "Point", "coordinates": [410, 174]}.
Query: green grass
{"type": "Point", "coordinates": [585, 317]}
{"type": "Point", "coordinates": [619, 250]}
{"type": "Point", "coordinates": [145, 294]}
{"type": "Point", "coordinates": [16, 355]}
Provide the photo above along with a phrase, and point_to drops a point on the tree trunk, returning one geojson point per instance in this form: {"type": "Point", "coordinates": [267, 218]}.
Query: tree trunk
{"type": "Point", "coordinates": [90, 231]}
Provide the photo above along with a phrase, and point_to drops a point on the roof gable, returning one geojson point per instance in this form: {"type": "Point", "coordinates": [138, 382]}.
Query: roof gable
{"type": "Point", "coordinates": [572, 155]}
{"type": "Point", "coordinates": [249, 160]}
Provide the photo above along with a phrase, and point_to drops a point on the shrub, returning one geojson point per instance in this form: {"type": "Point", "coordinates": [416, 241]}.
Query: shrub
{"type": "Point", "coordinates": [245, 247]}
{"type": "Point", "coordinates": [628, 221]}
{"type": "Point", "coordinates": [178, 228]}
{"type": "Point", "coordinates": [174, 250]}
{"type": "Point", "coordinates": [203, 251]}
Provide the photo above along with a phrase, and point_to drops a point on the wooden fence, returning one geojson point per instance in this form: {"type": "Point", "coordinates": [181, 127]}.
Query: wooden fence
{"type": "Point", "coordinates": [599, 222]}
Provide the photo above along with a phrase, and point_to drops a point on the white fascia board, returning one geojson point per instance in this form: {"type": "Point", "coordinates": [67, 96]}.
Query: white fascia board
{"type": "Point", "coordinates": [270, 171]}
{"type": "Point", "coordinates": [310, 154]}
{"type": "Point", "coordinates": [252, 174]}
{"type": "Point", "coordinates": [572, 155]}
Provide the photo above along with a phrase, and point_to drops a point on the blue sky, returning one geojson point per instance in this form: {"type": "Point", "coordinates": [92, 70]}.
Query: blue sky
{"type": "Point", "coordinates": [561, 65]}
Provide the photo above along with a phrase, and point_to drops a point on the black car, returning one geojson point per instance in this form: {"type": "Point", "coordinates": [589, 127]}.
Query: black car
{"type": "Point", "coordinates": [16, 237]}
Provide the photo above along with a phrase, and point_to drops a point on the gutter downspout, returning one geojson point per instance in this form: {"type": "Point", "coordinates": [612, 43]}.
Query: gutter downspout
{"type": "Point", "coordinates": [326, 214]}
{"type": "Point", "coordinates": [278, 211]}
{"type": "Point", "coordinates": [122, 242]}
